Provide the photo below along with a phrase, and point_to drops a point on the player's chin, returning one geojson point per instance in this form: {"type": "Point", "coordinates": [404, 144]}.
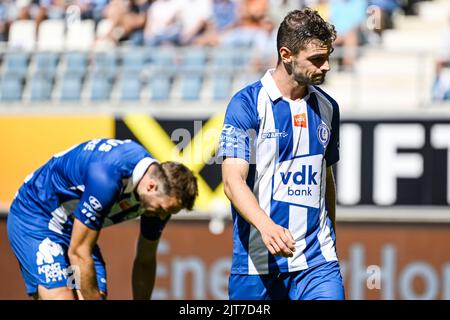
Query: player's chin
{"type": "Point", "coordinates": [318, 80]}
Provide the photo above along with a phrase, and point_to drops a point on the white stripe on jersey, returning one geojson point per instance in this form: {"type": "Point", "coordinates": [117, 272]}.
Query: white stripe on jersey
{"type": "Point", "coordinates": [300, 135]}
{"type": "Point", "coordinates": [298, 224]}
{"type": "Point", "coordinates": [324, 235]}
{"type": "Point", "coordinates": [266, 151]}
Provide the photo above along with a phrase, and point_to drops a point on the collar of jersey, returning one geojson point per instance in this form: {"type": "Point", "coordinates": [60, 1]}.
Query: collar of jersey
{"type": "Point", "coordinates": [272, 89]}
{"type": "Point", "coordinates": [138, 173]}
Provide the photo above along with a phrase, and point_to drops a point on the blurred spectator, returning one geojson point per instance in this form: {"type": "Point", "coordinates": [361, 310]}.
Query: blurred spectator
{"type": "Point", "coordinates": [128, 19]}
{"type": "Point", "coordinates": [163, 25]}
{"type": "Point", "coordinates": [224, 17]}
{"type": "Point", "coordinates": [194, 16]}
{"type": "Point", "coordinates": [253, 25]}
{"type": "Point", "coordinates": [91, 9]}
{"type": "Point", "coordinates": [52, 9]}
{"type": "Point", "coordinates": [381, 12]}
{"type": "Point", "coordinates": [3, 22]}
{"type": "Point", "coordinates": [348, 17]}
{"type": "Point", "coordinates": [441, 87]}
{"type": "Point", "coordinates": [278, 9]}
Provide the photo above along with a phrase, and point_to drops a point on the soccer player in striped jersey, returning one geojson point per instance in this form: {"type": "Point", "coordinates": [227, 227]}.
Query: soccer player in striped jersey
{"type": "Point", "coordinates": [57, 214]}
{"type": "Point", "coordinates": [279, 142]}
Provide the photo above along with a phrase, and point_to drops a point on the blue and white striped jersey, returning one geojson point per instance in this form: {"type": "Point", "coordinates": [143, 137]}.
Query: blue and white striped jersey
{"type": "Point", "coordinates": [288, 144]}
{"type": "Point", "coordinates": [93, 182]}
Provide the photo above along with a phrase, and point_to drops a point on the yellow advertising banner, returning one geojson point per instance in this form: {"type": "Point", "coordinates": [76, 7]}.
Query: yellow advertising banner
{"type": "Point", "coordinates": [27, 142]}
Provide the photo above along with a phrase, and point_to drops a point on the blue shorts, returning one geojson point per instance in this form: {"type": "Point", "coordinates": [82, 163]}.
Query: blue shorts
{"type": "Point", "coordinates": [322, 282]}
{"type": "Point", "coordinates": [43, 259]}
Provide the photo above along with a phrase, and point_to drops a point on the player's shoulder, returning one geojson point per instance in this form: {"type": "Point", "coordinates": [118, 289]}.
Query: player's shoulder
{"type": "Point", "coordinates": [246, 99]}
{"type": "Point", "coordinates": [324, 97]}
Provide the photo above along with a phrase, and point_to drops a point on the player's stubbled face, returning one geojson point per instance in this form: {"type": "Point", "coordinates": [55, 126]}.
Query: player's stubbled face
{"type": "Point", "coordinates": [156, 204]}
{"type": "Point", "coordinates": [311, 64]}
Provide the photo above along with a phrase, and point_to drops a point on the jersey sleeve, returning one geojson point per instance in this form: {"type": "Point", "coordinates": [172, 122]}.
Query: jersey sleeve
{"type": "Point", "coordinates": [102, 187]}
{"type": "Point", "coordinates": [152, 226]}
{"type": "Point", "coordinates": [332, 152]}
{"type": "Point", "coordinates": [240, 123]}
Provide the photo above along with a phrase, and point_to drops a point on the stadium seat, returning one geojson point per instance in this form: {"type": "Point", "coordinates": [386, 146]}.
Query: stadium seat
{"type": "Point", "coordinates": [41, 87]}
{"type": "Point", "coordinates": [71, 87]}
{"type": "Point", "coordinates": [223, 58]}
{"type": "Point", "coordinates": [22, 35]}
{"type": "Point", "coordinates": [191, 85]}
{"type": "Point", "coordinates": [160, 88]}
{"type": "Point", "coordinates": [106, 63]}
{"type": "Point", "coordinates": [194, 57]}
{"type": "Point", "coordinates": [80, 35]}
{"type": "Point", "coordinates": [163, 56]}
{"type": "Point", "coordinates": [11, 88]}
{"type": "Point", "coordinates": [51, 35]}
{"type": "Point", "coordinates": [221, 84]}
{"type": "Point", "coordinates": [130, 87]}
{"type": "Point", "coordinates": [133, 61]}
{"type": "Point", "coordinates": [75, 62]}
{"type": "Point", "coordinates": [46, 62]}
{"type": "Point", "coordinates": [101, 86]}
{"type": "Point", "coordinates": [16, 63]}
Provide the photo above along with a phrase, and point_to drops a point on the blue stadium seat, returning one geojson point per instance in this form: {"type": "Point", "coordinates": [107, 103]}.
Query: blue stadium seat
{"type": "Point", "coordinates": [222, 84]}
{"type": "Point", "coordinates": [160, 88]}
{"type": "Point", "coordinates": [71, 87]}
{"type": "Point", "coordinates": [46, 62]}
{"type": "Point", "coordinates": [76, 62]}
{"type": "Point", "coordinates": [41, 87]}
{"type": "Point", "coordinates": [133, 61]}
{"type": "Point", "coordinates": [130, 87]}
{"type": "Point", "coordinates": [106, 63]}
{"type": "Point", "coordinates": [11, 88]}
{"type": "Point", "coordinates": [17, 63]}
{"type": "Point", "coordinates": [194, 57]}
{"type": "Point", "coordinates": [163, 56]}
{"type": "Point", "coordinates": [100, 87]}
{"type": "Point", "coordinates": [191, 85]}
{"type": "Point", "coordinates": [223, 58]}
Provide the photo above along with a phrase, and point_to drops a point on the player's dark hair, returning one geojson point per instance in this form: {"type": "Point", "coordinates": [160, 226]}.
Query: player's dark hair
{"type": "Point", "coordinates": [300, 27]}
{"type": "Point", "coordinates": [177, 180]}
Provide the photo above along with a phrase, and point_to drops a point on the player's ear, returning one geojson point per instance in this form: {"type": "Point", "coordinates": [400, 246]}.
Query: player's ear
{"type": "Point", "coordinates": [286, 55]}
{"type": "Point", "coordinates": [152, 185]}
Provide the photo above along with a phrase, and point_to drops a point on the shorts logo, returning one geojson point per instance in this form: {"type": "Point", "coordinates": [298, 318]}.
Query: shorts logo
{"type": "Point", "coordinates": [47, 251]}
{"type": "Point", "coordinates": [47, 266]}
{"type": "Point", "coordinates": [323, 134]}
{"type": "Point", "coordinates": [95, 204]}
{"type": "Point", "coordinates": [300, 120]}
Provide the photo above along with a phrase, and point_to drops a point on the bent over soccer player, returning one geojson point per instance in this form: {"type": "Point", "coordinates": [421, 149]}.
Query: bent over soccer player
{"type": "Point", "coordinates": [279, 141]}
{"type": "Point", "coordinates": [56, 216]}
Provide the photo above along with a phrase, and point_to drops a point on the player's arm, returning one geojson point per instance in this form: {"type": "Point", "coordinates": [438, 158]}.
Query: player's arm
{"type": "Point", "coordinates": [144, 269]}
{"type": "Point", "coordinates": [277, 239]}
{"type": "Point", "coordinates": [330, 196]}
{"type": "Point", "coordinates": [80, 254]}
{"type": "Point", "coordinates": [102, 186]}
{"type": "Point", "coordinates": [144, 266]}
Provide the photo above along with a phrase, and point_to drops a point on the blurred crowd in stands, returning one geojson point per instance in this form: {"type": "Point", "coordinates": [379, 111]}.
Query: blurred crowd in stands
{"type": "Point", "coordinates": [248, 24]}
{"type": "Point", "coordinates": [238, 23]}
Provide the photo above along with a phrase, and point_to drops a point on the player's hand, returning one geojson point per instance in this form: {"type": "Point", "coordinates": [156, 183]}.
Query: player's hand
{"type": "Point", "coordinates": [278, 240]}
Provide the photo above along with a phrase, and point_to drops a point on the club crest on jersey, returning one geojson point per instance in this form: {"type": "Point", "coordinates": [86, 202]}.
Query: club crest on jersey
{"type": "Point", "coordinates": [300, 120]}
{"type": "Point", "coordinates": [323, 134]}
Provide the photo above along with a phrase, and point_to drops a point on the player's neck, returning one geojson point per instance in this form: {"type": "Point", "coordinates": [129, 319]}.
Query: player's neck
{"type": "Point", "coordinates": [288, 87]}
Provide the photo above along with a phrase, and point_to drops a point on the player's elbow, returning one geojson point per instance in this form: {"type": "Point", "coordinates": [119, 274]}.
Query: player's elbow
{"type": "Point", "coordinates": [230, 185]}
{"type": "Point", "coordinates": [77, 255]}
{"type": "Point", "coordinates": [228, 188]}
